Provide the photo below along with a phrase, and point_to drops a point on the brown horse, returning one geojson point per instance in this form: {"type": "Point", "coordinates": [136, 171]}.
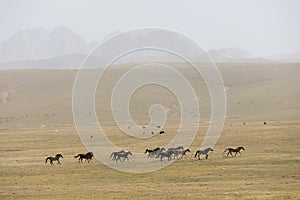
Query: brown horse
{"type": "Point", "coordinates": [234, 150]}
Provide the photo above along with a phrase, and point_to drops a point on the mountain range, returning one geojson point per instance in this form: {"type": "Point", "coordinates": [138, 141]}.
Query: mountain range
{"type": "Point", "coordinates": [37, 43]}
{"type": "Point", "coordinates": [62, 48]}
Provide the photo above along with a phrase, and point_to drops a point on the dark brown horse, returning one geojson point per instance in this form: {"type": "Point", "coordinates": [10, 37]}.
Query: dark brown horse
{"type": "Point", "coordinates": [56, 158]}
{"type": "Point", "coordinates": [88, 157]}
{"type": "Point", "coordinates": [234, 150]}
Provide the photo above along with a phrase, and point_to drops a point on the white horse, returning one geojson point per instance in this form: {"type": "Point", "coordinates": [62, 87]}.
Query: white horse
{"type": "Point", "coordinates": [181, 152]}
{"type": "Point", "coordinates": [203, 152]}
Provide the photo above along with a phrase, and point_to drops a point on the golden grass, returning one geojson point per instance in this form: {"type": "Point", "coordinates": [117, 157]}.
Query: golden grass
{"type": "Point", "coordinates": [268, 169]}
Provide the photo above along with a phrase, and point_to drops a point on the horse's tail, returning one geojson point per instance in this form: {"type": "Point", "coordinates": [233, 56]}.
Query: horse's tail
{"type": "Point", "coordinates": [48, 158]}
{"type": "Point", "coordinates": [196, 154]}
{"type": "Point", "coordinates": [77, 156]}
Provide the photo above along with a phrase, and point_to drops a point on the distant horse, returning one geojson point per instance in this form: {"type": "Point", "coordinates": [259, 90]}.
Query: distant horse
{"type": "Point", "coordinates": [152, 153]}
{"type": "Point", "coordinates": [56, 158]}
{"type": "Point", "coordinates": [181, 152]}
{"type": "Point", "coordinates": [114, 155]}
{"type": "Point", "coordinates": [168, 154]}
{"type": "Point", "coordinates": [203, 152]}
{"type": "Point", "coordinates": [88, 157]}
{"type": "Point", "coordinates": [234, 149]}
{"type": "Point", "coordinates": [123, 156]}
{"type": "Point", "coordinates": [176, 148]}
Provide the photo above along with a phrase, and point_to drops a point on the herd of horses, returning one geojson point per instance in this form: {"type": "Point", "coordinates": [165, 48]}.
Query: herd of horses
{"type": "Point", "coordinates": [159, 153]}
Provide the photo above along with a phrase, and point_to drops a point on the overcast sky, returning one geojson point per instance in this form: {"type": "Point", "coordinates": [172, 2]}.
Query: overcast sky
{"type": "Point", "coordinates": [260, 27]}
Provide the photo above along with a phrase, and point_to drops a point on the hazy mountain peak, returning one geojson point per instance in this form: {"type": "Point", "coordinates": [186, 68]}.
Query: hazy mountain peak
{"type": "Point", "coordinates": [37, 43]}
{"type": "Point", "coordinates": [230, 54]}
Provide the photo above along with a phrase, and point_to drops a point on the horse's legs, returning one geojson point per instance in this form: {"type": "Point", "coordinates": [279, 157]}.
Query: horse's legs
{"type": "Point", "coordinates": [206, 156]}
{"type": "Point", "coordinates": [183, 155]}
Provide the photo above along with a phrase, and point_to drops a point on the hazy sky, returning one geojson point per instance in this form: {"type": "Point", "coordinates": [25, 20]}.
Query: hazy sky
{"type": "Point", "coordinates": [260, 27]}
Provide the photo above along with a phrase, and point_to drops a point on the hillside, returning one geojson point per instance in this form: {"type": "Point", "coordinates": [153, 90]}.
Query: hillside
{"type": "Point", "coordinates": [255, 92]}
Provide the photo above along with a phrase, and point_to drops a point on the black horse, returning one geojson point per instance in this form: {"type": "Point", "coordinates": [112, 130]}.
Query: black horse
{"type": "Point", "coordinates": [88, 157]}
{"type": "Point", "coordinates": [56, 158]}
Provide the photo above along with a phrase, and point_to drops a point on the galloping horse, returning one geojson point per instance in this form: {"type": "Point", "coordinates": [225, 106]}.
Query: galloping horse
{"type": "Point", "coordinates": [176, 148]}
{"type": "Point", "coordinates": [124, 156]}
{"type": "Point", "coordinates": [168, 154]}
{"type": "Point", "coordinates": [203, 152]}
{"type": "Point", "coordinates": [182, 153]}
{"type": "Point", "coordinates": [234, 149]}
{"type": "Point", "coordinates": [114, 155]}
{"type": "Point", "coordinates": [88, 157]}
{"type": "Point", "coordinates": [56, 158]}
{"type": "Point", "coordinates": [152, 153]}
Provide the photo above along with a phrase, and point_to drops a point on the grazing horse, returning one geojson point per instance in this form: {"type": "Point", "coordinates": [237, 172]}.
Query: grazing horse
{"type": "Point", "coordinates": [203, 152]}
{"type": "Point", "coordinates": [234, 149]}
{"type": "Point", "coordinates": [88, 157]}
{"type": "Point", "coordinates": [114, 155]}
{"type": "Point", "coordinates": [123, 156]}
{"type": "Point", "coordinates": [56, 158]}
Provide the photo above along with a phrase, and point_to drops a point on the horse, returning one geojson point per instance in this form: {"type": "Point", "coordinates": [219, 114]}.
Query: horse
{"type": "Point", "coordinates": [114, 155]}
{"type": "Point", "coordinates": [124, 156]}
{"type": "Point", "coordinates": [176, 148]}
{"type": "Point", "coordinates": [88, 157]}
{"type": "Point", "coordinates": [203, 152]}
{"type": "Point", "coordinates": [167, 154]}
{"type": "Point", "coordinates": [56, 158]}
{"type": "Point", "coordinates": [152, 153]}
{"type": "Point", "coordinates": [234, 149]}
{"type": "Point", "coordinates": [182, 153]}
